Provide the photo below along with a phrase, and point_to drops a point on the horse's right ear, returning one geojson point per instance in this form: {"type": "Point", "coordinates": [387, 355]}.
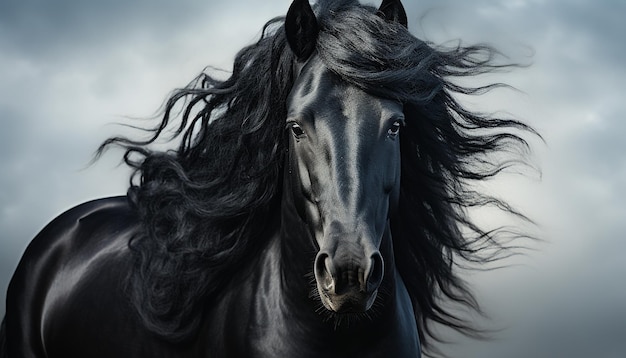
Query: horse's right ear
{"type": "Point", "coordinates": [301, 28]}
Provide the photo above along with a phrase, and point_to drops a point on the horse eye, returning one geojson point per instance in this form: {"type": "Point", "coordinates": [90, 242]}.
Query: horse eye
{"type": "Point", "coordinates": [297, 131]}
{"type": "Point", "coordinates": [394, 130]}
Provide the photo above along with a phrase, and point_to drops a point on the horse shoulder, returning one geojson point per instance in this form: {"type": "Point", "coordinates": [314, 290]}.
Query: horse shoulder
{"type": "Point", "coordinates": [61, 263]}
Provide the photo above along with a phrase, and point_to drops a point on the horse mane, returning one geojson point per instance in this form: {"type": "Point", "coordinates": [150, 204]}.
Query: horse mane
{"type": "Point", "coordinates": [202, 204]}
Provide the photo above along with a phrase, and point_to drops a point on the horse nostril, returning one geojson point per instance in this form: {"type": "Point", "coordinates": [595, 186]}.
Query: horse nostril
{"type": "Point", "coordinates": [323, 272]}
{"type": "Point", "coordinates": [375, 272]}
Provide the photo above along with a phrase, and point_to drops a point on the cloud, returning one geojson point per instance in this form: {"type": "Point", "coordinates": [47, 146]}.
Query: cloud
{"type": "Point", "coordinates": [40, 27]}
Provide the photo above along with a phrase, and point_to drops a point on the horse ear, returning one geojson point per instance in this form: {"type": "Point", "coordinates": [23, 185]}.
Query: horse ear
{"type": "Point", "coordinates": [301, 28]}
{"type": "Point", "coordinates": [392, 10]}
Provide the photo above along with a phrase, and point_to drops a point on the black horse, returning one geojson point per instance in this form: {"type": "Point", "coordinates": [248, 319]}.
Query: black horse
{"type": "Point", "coordinates": [315, 207]}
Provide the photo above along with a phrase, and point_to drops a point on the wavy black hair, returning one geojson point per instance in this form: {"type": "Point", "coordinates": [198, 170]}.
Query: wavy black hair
{"type": "Point", "coordinates": [202, 204]}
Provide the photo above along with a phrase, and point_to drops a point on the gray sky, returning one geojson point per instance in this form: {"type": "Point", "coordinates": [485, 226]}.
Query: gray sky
{"type": "Point", "coordinates": [70, 68]}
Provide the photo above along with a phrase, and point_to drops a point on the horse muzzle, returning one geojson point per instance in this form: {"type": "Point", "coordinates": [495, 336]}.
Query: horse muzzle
{"type": "Point", "coordinates": [348, 283]}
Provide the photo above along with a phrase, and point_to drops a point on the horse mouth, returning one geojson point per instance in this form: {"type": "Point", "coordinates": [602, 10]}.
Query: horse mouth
{"type": "Point", "coordinates": [349, 302]}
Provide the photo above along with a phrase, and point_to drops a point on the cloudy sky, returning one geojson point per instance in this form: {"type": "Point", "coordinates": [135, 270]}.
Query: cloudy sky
{"type": "Point", "coordinates": [69, 69]}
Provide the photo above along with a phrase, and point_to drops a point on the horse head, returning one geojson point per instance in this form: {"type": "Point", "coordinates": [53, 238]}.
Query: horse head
{"type": "Point", "coordinates": [344, 160]}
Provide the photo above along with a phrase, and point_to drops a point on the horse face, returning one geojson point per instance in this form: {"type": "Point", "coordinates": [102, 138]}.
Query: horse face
{"type": "Point", "coordinates": [345, 174]}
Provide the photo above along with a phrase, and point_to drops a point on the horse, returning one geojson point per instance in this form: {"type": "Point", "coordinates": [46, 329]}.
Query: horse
{"type": "Point", "coordinates": [314, 207]}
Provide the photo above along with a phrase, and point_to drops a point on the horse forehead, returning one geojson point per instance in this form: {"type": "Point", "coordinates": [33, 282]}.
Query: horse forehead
{"type": "Point", "coordinates": [323, 94]}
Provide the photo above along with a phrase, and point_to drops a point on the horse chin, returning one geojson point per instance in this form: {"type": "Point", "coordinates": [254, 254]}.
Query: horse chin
{"type": "Point", "coordinates": [348, 303]}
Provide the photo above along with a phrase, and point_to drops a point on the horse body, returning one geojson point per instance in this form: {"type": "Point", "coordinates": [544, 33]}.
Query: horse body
{"type": "Point", "coordinates": [340, 182]}
{"type": "Point", "coordinates": [315, 215]}
{"type": "Point", "coordinates": [83, 310]}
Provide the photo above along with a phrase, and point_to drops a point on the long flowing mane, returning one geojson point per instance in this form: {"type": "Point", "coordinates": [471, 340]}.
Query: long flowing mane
{"type": "Point", "coordinates": [203, 204]}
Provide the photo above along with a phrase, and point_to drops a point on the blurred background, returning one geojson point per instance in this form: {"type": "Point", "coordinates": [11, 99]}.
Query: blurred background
{"type": "Point", "coordinates": [70, 70]}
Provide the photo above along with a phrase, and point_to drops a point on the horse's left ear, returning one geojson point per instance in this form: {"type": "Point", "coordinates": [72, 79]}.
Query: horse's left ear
{"type": "Point", "coordinates": [301, 28]}
{"type": "Point", "coordinates": [392, 10]}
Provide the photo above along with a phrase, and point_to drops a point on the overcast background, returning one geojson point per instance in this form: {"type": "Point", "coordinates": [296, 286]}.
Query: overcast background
{"type": "Point", "coordinates": [70, 68]}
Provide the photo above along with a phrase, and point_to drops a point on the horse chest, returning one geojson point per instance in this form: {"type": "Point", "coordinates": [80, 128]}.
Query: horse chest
{"type": "Point", "coordinates": [274, 325]}
{"type": "Point", "coordinates": [284, 343]}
